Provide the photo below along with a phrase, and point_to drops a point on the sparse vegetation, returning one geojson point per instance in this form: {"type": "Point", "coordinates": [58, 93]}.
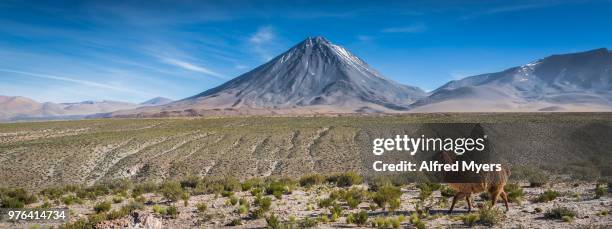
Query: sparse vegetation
{"type": "Point", "coordinates": [16, 198]}
{"type": "Point", "coordinates": [547, 196]}
{"type": "Point", "coordinates": [238, 135]}
{"type": "Point", "coordinates": [560, 213]}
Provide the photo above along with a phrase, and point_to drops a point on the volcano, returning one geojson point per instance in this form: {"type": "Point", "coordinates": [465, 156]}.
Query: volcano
{"type": "Point", "coordinates": [314, 75]}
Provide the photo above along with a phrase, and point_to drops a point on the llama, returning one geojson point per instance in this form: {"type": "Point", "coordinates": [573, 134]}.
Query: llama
{"type": "Point", "coordinates": [491, 182]}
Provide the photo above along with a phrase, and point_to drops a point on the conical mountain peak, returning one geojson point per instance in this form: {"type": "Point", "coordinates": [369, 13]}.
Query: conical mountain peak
{"type": "Point", "coordinates": [313, 72]}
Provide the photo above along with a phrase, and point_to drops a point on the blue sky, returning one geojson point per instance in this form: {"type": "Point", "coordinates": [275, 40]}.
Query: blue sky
{"type": "Point", "coordinates": [134, 50]}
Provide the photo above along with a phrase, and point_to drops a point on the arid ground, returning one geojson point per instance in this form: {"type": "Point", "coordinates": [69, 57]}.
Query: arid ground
{"type": "Point", "coordinates": [146, 169]}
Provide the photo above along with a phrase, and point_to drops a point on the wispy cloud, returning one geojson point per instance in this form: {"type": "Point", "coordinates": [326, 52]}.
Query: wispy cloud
{"type": "Point", "coordinates": [415, 28]}
{"type": "Point", "coordinates": [513, 8]}
{"type": "Point", "coordinates": [261, 41]}
{"type": "Point", "coordinates": [72, 80]}
{"type": "Point", "coordinates": [192, 67]}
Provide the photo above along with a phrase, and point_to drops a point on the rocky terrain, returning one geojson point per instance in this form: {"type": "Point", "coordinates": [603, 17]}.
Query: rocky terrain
{"type": "Point", "coordinates": [323, 205]}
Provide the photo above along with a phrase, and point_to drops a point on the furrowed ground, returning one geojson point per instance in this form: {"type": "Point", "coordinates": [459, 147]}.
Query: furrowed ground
{"type": "Point", "coordinates": [41, 154]}
{"type": "Point", "coordinates": [226, 168]}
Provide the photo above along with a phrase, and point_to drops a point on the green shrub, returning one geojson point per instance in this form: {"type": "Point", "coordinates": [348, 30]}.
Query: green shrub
{"type": "Point", "coordinates": [171, 190]}
{"type": "Point", "coordinates": [264, 203]}
{"type": "Point", "coordinates": [336, 209]}
{"type": "Point", "coordinates": [416, 221]}
{"type": "Point", "coordinates": [386, 194]}
{"type": "Point", "coordinates": [546, 196]}
{"type": "Point", "coordinates": [140, 199]}
{"type": "Point", "coordinates": [172, 211]}
{"type": "Point", "coordinates": [243, 201]}
{"type": "Point", "coordinates": [361, 218]}
{"type": "Point", "coordinates": [185, 197]}
{"type": "Point", "coordinates": [53, 193]}
{"type": "Point", "coordinates": [256, 191]}
{"type": "Point", "coordinates": [161, 210]}
{"type": "Point", "coordinates": [346, 179]}
{"type": "Point", "coordinates": [102, 207]}
{"type": "Point", "coordinates": [311, 180]}
{"type": "Point", "coordinates": [559, 213]}
{"type": "Point", "coordinates": [231, 184]}
{"type": "Point", "coordinates": [233, 200]}
{"type": "Point", "coordinates": [599, 192]}
{"type": "Point", "coordinates": [470, 219]}
{"type": "Point", "coordinates": [354, 197]}
{"type": "Point", "coordinates": [308, 223]}
{"type": "Point", "coordinates": [243, 209]}
{"type": "Point", "coordinates": [387, 222]}
{"type": "Point", "coordinates": [227, 193]}
{"type": "Point", "coordinates": [92, 192]}
{"type": "Point", "coordinates": [133, 205]}
{"type": "Point", "coordinates": [117, 186]}
{"type": "Point", "coordinates": [251, 183]}
{"type": "Point", "coordinates": [515, 192]}
{"type": "Point", "coordinates": [8, 202]}
{"type": "Point", "coordinates": [16, 198]}
{"type": "Point", "coordinates": [71, 199]}
{"type": "Point", "coordinates": [490, 216]}
{"type": "Point", "coordinates": [327, 202]}
{"type": "Point", "coordinates": [323, 218]}
{"type": "Point", "coordinates": [190, 182]}
{"type": "Point", "coordinates": [201, 207]}
{"type": "Point", "coordinates": [538, 180]}
{"type": "Point", "coordinates": [350, 218]}
{"type": "Point", "coordinates": [277, 188]}
{"type": "Point", "coordinates": [117, 199]}
{"type": "Point", "coordinates": [273, 222]}
{"type": "Point", "coordinates": [143, 188]}
{"type": "Point", "coordinates": [426, 189]}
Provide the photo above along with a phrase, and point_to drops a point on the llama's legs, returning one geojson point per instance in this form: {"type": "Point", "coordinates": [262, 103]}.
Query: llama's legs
{"type": "Point", "coordinates": [494, 196]}
{"type": "Point", "coordinates": [455, 198]}
{"type": "Point", "coordinates": [468, 199]}
{"type": "Point", "coordinates": [505, 197]}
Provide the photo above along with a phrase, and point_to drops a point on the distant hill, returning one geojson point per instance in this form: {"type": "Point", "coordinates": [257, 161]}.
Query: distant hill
{"type": "Point", "coordinates": [17, 108]}
{"type": "Point", "coordinates": [156, 101]}
{"type": "Point", "coordinates": [569, 82]}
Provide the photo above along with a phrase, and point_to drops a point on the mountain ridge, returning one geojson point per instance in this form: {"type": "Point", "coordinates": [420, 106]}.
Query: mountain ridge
{"type": "Point", "coordinates": [563, 82]}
